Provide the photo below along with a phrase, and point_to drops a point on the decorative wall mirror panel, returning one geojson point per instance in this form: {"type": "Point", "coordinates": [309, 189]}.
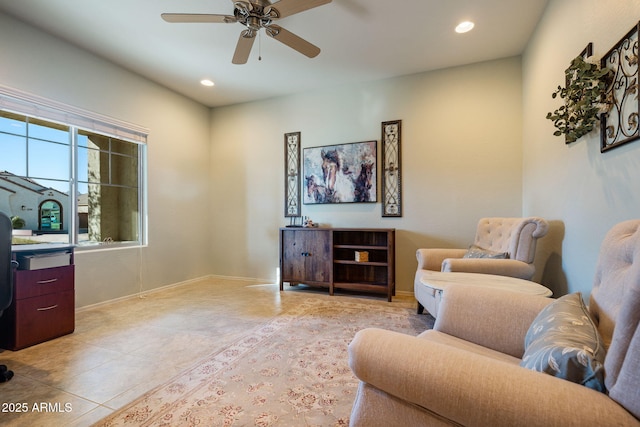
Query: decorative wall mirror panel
{"type": "Point", "coordinates": [619, 124]}
{"type": "Point", "coordinates": [391, 179]}
{"type": "Point", "coordinates": [292, 206]}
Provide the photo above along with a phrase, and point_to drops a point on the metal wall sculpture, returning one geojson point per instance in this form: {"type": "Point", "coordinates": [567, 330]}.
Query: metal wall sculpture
{"type": "Point", "coordinates": [620, 124]}
{"type": "Point", "coordinates": [391, 179]}
{"type": "Point", "coordinates": [292, 206]}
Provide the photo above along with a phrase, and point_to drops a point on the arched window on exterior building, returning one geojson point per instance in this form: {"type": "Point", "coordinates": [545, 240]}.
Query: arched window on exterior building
{"type": "Point", "coordinates": [50, 216]}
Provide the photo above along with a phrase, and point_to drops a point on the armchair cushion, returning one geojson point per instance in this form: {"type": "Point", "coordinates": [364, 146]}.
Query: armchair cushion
{"type": "Point", "coordinates": [500, 267]}
{"type": "Point", "coordinates": [476, 251]}
{"type": "Point", "coordinates": [492, 318]}
{"type": "Point", "coordinates": [564, 342]}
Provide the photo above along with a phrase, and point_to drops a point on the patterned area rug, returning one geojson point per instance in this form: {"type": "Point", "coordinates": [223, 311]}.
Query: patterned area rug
{"type": "Point", "coordinates": [291, 371]}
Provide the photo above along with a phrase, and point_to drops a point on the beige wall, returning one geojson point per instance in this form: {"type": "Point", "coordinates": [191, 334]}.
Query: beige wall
{"type": "Point", "coordinates": [178, 159]}
{"type": "Point", "coordinates": [582, 190]}
{"type": "Point", "coordinates": [461, 160]}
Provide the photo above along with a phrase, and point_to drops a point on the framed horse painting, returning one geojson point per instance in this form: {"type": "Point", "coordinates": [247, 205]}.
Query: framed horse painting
{"type": "Point", "coordinates": [345, 173]}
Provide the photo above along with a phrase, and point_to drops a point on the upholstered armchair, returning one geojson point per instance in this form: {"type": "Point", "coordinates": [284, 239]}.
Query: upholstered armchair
{"type": "Point", "coordinates": [502, 246]}
{"type": "Point", "coordinates": [497, 358]}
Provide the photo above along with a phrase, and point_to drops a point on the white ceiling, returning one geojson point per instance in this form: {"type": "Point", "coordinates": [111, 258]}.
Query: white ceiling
{"type": "Point", "coordinates": [361, 40]}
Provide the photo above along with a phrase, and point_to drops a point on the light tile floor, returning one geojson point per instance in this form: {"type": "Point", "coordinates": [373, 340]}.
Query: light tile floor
{"type": "Point", "coordinates": [121, 350]}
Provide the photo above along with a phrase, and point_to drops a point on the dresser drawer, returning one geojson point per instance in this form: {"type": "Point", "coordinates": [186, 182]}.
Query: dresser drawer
{"type": "Point", "coordinates": [41, 318]}
{"type": "Point", "coordinates": [33, 283]}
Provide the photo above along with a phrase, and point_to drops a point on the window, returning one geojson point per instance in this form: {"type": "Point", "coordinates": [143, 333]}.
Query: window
{"type": "Point", "coordinates": [70, 184]}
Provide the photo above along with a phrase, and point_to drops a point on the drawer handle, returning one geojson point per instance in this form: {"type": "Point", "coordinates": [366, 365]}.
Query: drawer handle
{"type": "Point", "coordinates": [48, 308]}
{"type": "Point", "coordinates": [44, 282]}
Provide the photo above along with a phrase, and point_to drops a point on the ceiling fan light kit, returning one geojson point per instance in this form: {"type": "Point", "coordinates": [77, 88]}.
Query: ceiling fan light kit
{"type": "Point", "coordinates": [255, 15]}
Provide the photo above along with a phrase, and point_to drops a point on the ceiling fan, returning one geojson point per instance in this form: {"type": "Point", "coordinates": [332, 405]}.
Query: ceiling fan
{"type": "Point", "coordinates": [257, 14]}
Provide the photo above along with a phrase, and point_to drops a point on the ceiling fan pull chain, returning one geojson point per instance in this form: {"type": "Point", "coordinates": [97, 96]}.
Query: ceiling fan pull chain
{"type": "Point", "coordinates": [259, 46]}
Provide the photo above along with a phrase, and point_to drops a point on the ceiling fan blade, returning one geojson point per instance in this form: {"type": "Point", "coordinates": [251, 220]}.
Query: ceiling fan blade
{"type": "Point", "coordinates": [243, 48]}
{"type": "Point", "coordinates": [198, 18]}
{"type": "Point", "coordinates": [286, 8]}
{"type": "Point", "coordinates": [293, 41]}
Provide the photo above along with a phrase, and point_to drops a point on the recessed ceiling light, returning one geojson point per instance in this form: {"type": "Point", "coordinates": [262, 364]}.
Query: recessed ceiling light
{"type": "Point", "coordinates": [206, 82]}
{"type": "Point", "coordinates": [464, 27]}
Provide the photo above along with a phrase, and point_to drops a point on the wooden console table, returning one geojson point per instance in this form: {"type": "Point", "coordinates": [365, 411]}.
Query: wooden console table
{"type": "Point", "coordinates": [43, 305]}
{"type": "Point", "coordinates": [326, 257]}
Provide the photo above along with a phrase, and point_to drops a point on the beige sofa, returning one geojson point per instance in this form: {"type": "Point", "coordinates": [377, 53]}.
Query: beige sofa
{"type": "Point", "coordinates": [515, 237]}
{"type": "Point", "coordinates": [466, 371]}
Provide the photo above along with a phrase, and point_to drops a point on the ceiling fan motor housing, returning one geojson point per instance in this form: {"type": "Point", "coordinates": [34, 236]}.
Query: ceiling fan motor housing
{"type": "Point", "coordinates": [253, 15]}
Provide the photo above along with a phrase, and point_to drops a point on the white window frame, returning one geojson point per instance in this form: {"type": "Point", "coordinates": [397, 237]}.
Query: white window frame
{"type": "Point", "coordinates": [19, 102]}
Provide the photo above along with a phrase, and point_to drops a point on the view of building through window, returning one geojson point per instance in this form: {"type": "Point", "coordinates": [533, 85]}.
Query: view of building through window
{"type": "Point", "coordinates": [59, 183]}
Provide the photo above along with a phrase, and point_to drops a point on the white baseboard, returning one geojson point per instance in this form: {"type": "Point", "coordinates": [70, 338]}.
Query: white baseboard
{"type": "Point", "coordinates": [141, 294]}
{"type": "Point", "coordinates": [244, 279]}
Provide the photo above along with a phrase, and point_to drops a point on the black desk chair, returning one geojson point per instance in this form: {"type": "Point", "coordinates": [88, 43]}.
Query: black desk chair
{"type": "Point", "coordinates": [6, 278]}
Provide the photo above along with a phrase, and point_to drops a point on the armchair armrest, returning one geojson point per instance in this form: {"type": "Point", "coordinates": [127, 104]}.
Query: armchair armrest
{"type": "Point", "coordinates": [501, 267]}
{"type": "Point", "coordinates": [432, 258]}
{"type": "Point", "coordinates": [492, 318]}
{"type": "Point", "coordinates": [473, 390]}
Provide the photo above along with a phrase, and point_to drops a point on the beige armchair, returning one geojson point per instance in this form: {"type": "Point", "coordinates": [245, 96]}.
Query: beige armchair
{"type": "Point", "coordinates": [467, 370]}
{"type": "Point", "coordinates": [507, 247]}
